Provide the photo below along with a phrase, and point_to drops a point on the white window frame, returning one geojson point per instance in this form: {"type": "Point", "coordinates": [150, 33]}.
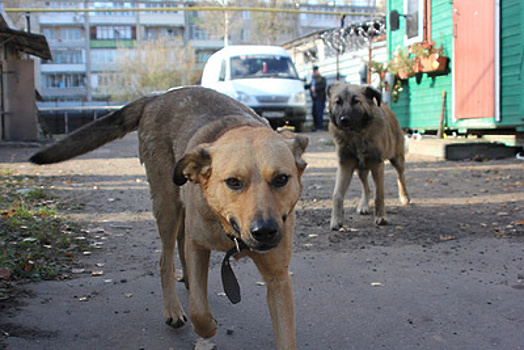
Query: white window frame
{"type": "Point", "coordinates": [421, 12]}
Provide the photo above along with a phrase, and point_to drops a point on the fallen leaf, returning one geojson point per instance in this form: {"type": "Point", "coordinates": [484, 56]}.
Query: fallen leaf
{"type": "Point", "coordinates": [447, 238]}
{"type": "Point", "coordinates": [5, 273]}
{"type": "Point", "coordinates": [77, 271]}
{"type": "Point", "coordinates": [29, 266]}
{"type": "Point", "coordinates": [203, 344]}
{"type": "Point", "coordinates": [376, 284]}
{"type": "Point", "coordinates": [348, 229]}
{"type": "Point", "coordinates": [97, 273]}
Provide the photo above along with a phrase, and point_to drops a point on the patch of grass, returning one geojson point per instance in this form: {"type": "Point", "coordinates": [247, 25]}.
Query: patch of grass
{"type": "Point", "coordinates": [36, 242]}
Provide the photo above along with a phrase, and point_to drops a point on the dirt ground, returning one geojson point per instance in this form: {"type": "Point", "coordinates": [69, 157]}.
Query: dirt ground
{"type": "Point", "coordinates": [446, 273]}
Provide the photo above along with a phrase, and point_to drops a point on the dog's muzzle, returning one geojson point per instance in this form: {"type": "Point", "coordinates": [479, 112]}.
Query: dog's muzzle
{"type": "Point", "coordinates": [266, 233]}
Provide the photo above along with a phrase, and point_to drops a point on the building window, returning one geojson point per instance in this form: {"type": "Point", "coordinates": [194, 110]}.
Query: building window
{"type": "Point", "coordinates": [104, 56]}
{"type": "Point", "coordinates": [414, 11]}
{"type": "Point", "coordinates": [114, 5]}
{"type": "Point", "coordinates": [67, 57]}
{"type": "Point", "coordinates": [160, 6]}
{"type": "Point", "coordinates": [49, 33]}
{"type": "Point", "coordinates": [67, 34]}
{"type": "Point", "coordinates": [245, 35]}
{"type": "Point", "coordinates": [62, 4]}
{"type": "Point", "coordinates": [195, 32]}
{"type": "Point", "coordinates": [64, 80]}
{"type": "Point", "coordinates": [203, 56]}
{"type": "Point", "coordinates": [170, 32]}
{"type": "Point", "coordinates": [150, 33]}
{"type": "Point", "coordinates": [113, 33]}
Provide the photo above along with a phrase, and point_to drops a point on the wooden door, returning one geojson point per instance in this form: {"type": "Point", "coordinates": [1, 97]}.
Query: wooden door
{"type": "Point", "coordinates": [474, 58]}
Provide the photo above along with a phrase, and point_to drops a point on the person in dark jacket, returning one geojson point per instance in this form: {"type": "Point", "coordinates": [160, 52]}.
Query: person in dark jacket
{"type": "Point", "coordinates": [317, 89]}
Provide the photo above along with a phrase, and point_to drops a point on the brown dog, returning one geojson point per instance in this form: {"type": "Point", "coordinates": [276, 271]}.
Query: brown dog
{"type": "Point", "coordinates": [244, 182]}
{"type": "Point", "coordinates": [366, 133]}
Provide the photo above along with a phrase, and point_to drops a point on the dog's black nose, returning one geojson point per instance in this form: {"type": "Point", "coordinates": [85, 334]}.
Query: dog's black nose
{"type": "Point", "coordinates": [264, 230]}
{"type": "Point", "coordinates": [344, 121]}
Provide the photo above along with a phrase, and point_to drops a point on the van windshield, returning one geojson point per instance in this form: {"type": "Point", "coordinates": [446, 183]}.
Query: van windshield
{"type": "Point", "coordinates": [262, 66]}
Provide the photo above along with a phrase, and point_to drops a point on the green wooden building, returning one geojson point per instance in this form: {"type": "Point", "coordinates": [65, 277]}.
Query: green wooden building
{"type": "Point", "coordinates": [484, 81]}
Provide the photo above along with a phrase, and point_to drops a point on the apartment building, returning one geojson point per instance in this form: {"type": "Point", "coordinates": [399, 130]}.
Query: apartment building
{"type": "Point", "coordinates": [85, 45]}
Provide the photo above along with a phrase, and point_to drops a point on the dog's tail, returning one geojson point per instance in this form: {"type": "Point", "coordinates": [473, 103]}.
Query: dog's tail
{"type": "Point", "coordinates": [95, 134]}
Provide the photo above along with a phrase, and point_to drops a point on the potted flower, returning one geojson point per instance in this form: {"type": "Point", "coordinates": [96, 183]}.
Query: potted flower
{"type": "Point", "coordinates": [428, 57]}
{"type": "Point", "coordinates": [401, 64]}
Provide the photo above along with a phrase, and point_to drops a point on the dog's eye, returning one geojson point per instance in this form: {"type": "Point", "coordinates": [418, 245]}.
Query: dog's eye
{"type": "Point", "coordinates": [234, 183]}
{"type": "Point", "coordinates": [338, 101]}
{"type": "Point", "coordinates": [354, 100]}
{"type": "Point", "coordinates": [280, 180]}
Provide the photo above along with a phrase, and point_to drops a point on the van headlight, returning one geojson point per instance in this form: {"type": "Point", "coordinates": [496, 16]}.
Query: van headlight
{"type": "Point", "coordinates": [242, 97]}
{"type": "Point", "coordinates": [299, 98]}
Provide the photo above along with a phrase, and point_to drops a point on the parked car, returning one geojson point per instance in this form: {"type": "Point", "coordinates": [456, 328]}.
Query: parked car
{"type": "Point", "coordinates": [262, 77]}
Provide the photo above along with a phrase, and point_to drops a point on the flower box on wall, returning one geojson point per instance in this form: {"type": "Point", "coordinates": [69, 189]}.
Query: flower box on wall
{"type": "Point", "coordinates": [432, 63]}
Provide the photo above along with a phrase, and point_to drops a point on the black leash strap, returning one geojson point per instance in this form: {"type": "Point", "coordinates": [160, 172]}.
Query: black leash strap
{"type": "Point", "coordinates": [229, 280]}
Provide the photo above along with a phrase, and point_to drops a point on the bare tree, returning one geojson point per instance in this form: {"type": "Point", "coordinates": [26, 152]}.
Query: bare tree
{"type": "Point", "coordinates": [252, 28]}
{"type": "Point", "coordinates": [272, 28]}
{"type": "Point", "coordinates": [154, 66]}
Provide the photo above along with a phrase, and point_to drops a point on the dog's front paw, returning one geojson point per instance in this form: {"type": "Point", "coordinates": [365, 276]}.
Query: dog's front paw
{"type": "Point", "coordinates": [335, 225]}
{"type": "Point", "coordinates": [404, 200]}
{"type": "Point", "coordinates": [363, 210]}
{"type": "Point", "coordinates": [174, 315]}
{"type": "Point", "coordinates": [176, 323]}
{"type": "Point", "coordinates": [204, 325]}
{"type": "Point", "coordinates": [380, 220]}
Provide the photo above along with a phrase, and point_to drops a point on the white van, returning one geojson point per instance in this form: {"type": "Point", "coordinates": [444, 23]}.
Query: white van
{"type": "Point", "coordinates": [262, 77]}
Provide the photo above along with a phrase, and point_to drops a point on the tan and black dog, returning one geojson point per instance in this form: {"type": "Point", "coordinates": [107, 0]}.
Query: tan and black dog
{"type": "Point", "coordinates": [243, 181]}
{"type": "Point", "coordinates": [366, 133]}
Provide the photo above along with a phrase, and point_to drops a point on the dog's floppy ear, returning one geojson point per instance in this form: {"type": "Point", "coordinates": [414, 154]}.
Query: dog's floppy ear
{"type": "Point", "coordinates": [193, 166]}
{"type": "Point", "coordinates": [330, 87]}
{"type": "Point", "coordinates": [298, 145]}
{"type": "Point", "coordinates": [370, 92]}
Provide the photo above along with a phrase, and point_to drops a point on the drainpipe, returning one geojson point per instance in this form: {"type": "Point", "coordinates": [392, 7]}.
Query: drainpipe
{"type": "Point", "coordinates": [87, 32]}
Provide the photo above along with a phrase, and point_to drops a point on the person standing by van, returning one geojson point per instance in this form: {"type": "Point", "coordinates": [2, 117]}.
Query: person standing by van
{"type": "Point", "coordinates": [317, 89]}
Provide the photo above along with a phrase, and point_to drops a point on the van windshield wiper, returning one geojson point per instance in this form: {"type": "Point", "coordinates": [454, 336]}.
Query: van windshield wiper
{"type": "Point", "coordinates": [272, 75]}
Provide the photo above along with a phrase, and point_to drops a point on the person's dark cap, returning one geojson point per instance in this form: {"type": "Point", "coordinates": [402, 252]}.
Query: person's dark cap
{"type": "Point", "coordinates": [315, 67]}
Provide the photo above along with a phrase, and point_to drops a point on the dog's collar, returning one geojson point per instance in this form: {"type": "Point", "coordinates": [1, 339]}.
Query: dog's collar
{"type": "Point", "coordinates": [229, 280]}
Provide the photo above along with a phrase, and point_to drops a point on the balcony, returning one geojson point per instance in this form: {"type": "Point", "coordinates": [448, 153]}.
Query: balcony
{"type": "Point", "coordinates": [125, 43]}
